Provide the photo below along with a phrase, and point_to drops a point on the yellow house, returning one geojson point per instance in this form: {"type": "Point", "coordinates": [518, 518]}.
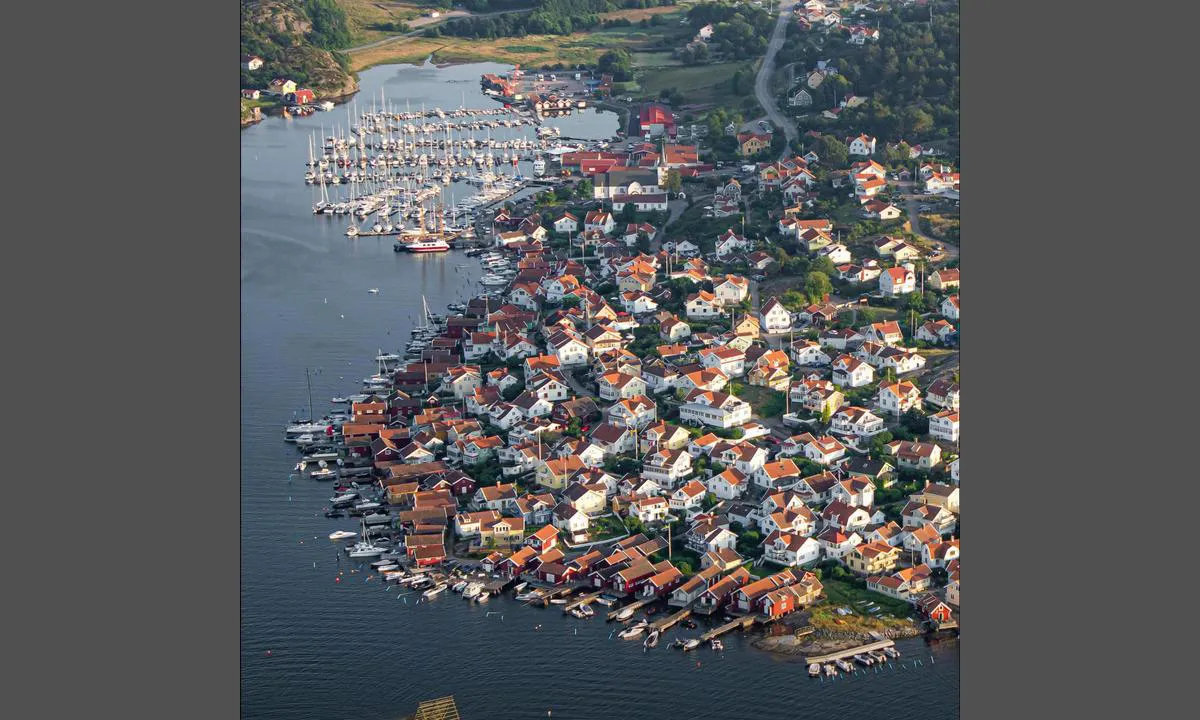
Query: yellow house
{"type": "Point", "coordinates": [753, 143]}
{"type": "Point", "coordinates": [747, 327]}
{"type": "Point", "coordinates": [635, 281]}
{"type": "Point", "coordinates": [504, 532]}
{"type": "Point", "coordinates": [553, 474]}
{"type": "Point", "coordinates": [873, 558]}
{"type": "Point", "coordinates": [281, 86]}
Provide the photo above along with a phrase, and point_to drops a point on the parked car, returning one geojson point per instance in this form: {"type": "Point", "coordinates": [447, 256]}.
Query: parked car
{"type": "Point", "coordinates": [758, 278]}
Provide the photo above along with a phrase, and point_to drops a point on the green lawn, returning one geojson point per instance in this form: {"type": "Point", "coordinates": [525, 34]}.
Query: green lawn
{"type": "Point", "coordinates": [699, 83]}
{"type": "Point", "coordinates": [764, 401]}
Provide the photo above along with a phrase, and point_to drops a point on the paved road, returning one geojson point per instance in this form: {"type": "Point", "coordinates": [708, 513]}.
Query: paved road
{"type": "Point", "coordinates": [428, 23]}
{"type": "Point", "coordinates": [762, 83]}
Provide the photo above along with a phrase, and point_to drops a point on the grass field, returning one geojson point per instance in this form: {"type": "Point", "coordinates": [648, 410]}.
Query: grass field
{"type": "Point", "coordinates": [839, 593]}
{"type": "Point", "coordinates": [361, 14]}
{"type": "Point", "coordinates": [699, 83]}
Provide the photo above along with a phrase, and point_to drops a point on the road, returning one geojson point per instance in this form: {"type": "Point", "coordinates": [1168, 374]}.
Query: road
{"type": "Point", "coordinates": [762, 83]}
{"type": "Point", "coordinates": [427, 22]}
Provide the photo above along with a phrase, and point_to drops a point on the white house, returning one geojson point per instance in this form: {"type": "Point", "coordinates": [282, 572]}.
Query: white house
{"type": "Point", "coordinates": [850, 372]}
{"type": "Point", "coordinates": [599, 220]}
{"type": "Point", "coordinates": [897, 281]}
{"type": "Point", "coordinates": [898, 397]}
{"type": "Point", "coordinates": [702, 305]}
{"type": "Point", "coordinates": [774, 317]}
{"type": "Point", "coordinates": [809, 352]}
{"type": "Point", "coordinates": [729, 484]}
{"type": "Point", "coordinates": [856, 421]}
{"type": "Point", "coordinates": [950, 307]}
{"type": "Point", "coordinates": [707, 407]}
{"type": "Point", "coordinates": [944, 425]}
{"type": "Point", "coordinates": [689, 496]}
{"type": "Point", "coordinates": [668, 467]}
{"type": "Point", "coordinates": [568, 223]}
{"type": "Point", "coordinates": [732, 290]}
{"type": "Point", "coordinates": [837, 253]}
{"type": "Point", "coordinates": [824, 450]}
{"type": "Point", "coordinates": [862, 145]}
{"type": "Point", "coordinates": [730, 361]}
{"type": "Point", "coordinates": [790, 549]}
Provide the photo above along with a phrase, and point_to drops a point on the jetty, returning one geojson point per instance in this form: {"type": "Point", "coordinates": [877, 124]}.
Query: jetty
{"type": "Point", "coordinates": [583, 600]}
{"type": "Point", "coordinates": [664, 623]}
{"type": "Point", "coordinates": [743, 622]}
{"type": "Point", "coordinates": [546, 594]}
{"type": "Point", "coordinates": [842, 654]}
{"type": "Point", "coordinates": [632, 606]}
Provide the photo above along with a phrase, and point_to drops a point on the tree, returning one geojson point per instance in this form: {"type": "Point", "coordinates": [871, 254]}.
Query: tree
{"type": "Point", "coordinates": [628, 213]}
{"type": "Point", "coordinates": [570, 301]}
{"type": "Point", "coordinates": [584, 189]}
{"type": "Point", "coordinates": [833, 152]}
{"type": "Point", "coordinates": [817, 286]}
{"type": "Point", "coordinates": [674, 181]}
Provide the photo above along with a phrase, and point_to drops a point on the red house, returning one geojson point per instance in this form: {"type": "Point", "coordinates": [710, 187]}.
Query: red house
{"type": "Point", "coordinates": [932, 607]}
{"type": "Point", "coordinates": [426, 555]}
{"type": "Point", "coordinates": [544, 539]}
{"type": "Point", "coordinates": [300, 97]}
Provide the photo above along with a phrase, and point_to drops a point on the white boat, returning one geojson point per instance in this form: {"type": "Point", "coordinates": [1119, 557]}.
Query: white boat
{"type": "Point", "coordinates": [323, 474]}
{"type": "Point", "coordinates": [716, 645]}
{"type": "Point", "coordinates": [539, 167]}
{"type": "Point", "coordinates": [814, 670]}
{"type": "Point", "coordinates": [387, 568]}
{"type": "Point", "coordinates": [365, 550]}
{"type": "Point", "coordinates": [472, 590]}
{"type": "Point", "coordinates": [373, 291]}
{"type": "Point", "coordinates": [843, 665]}
{"type": "Point", "coordinates": [631, 632]}
{"type": "Point", "coordinates": [338, 399]}
{"type": "Point", "coordinates": [342, 535]}
{"type": "Point", "coordinates": [830, 670]}
{"type": "Point", "coordinates": [652, 639]}
{"type": "Point", "coordinates": [434, 590]}
{"type": "Point", "coordinates": [520, 586]}
{"type": "Point", "coordinates": [692, 644]}
{"type": "Point", "coordinates": [483, 597]}
{"type": "Point", "coordinates": [626, 613]}
{"type": "Point", "coordinates": [459, 586]}
{"type": "Point", "coordinates": [559, 601]}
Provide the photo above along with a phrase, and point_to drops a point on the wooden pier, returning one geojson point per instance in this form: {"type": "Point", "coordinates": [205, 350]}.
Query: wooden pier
{"type": "Point", "coordinates": [841, 654]}
{"type": "Point", "coordinates": [635, 605]}
{"type": "Point", "coordinates": [664, 623]}
{"type": "Point", "coordinates": [584, 600]}
{"type": "Point", "coordinates": [547, 594]}
{"type": "Point", "coordinates": [742, 622]}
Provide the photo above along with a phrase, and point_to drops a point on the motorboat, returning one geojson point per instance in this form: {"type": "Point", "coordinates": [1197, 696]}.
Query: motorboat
{"type": "Point", "coordinates": [323, 474]}
{"type": "Point", "coordinates": [843, 665]}
{"type": "Point", "coordinates": [830, 670]}
{"type": "Point", "coordinates": [877, 656]}
{"type": "Point", "coordinates": [344, 500]}
{"type": "Point", "coordinates": [652, 639]}
{"type": "Point", "coordinates": [558, 601]}
{"type": "Point", "coordinates": [520, 586]}
{"type": "Point", "coordinates": [891, 652]}
{"type": "Point", "coordinates": [692, 644]}
{"type": "Point", "coordinates": [483, 597]}
{"type": "Point", "coordinates": [717, 645]}
{"type": "Point", "coordinates": [434, 590]}
{"type": "Point", "coordinates": [631, 632]}
{"type": "Point", "coordinates": [814, 670]}
{"type": "Point", "coordinates": [459, 586]}
{"type": "Point", "coordinates": [626, 614]}
{"type": "Point", "coordinates": [342, 535]}
{"type": "Point", "coordinates": [388, 568]}
{"type": "Point", "coordinates": [471, 590]}
{"type": "Point", "coordinates": [373, 291]}
{"type": "Point", "coordinates": [365, 550]}
{"type": "Point", "coordinates": [863, 660]}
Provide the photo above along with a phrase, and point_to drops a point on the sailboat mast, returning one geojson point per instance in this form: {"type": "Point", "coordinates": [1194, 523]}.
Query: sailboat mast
{"type": "Point", "coordinates": [308, 378]}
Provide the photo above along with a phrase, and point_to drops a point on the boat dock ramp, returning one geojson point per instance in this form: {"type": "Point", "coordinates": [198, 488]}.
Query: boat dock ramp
{"type": "Point", "coordinates": [842, 654]}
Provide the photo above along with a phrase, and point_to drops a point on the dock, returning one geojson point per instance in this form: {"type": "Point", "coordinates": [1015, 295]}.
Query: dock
{"type": "Point", "coordinates": [584, 600]}
{"type": "Point", "coordinates": [635, 605]}
{"type": "Point", "coordinates": [842, 654]}
{"type": "Point", "coordinates": [742, 622]}
{"type": "Point", "coordinates": [546, 594]}
{"type": "Point", "coordinates": [664, 623]}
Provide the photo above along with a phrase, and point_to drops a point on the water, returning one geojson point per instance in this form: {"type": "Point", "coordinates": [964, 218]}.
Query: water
{"type": "Point", "coordinates": [351, 649]}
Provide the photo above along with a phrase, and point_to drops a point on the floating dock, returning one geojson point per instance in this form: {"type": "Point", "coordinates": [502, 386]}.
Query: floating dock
{"type": "Point", "coordinates": [842, 654]}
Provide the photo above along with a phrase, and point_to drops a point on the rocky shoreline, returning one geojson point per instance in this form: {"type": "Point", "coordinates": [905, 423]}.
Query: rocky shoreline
{"type": "Point", "coordinates": [822, 642]}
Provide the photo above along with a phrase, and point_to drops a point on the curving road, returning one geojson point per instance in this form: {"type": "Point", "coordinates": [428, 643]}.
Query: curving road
{"type": "Point", "coordinates": [762, 83]}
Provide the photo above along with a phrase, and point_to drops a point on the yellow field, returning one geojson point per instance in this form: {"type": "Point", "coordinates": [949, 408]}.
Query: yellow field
{"type": "Point", "coordinates": [362, 13]}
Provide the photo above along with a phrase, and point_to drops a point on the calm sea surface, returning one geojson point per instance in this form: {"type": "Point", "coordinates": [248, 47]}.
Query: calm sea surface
{"type": "Point", "coordinates": [353, 650]}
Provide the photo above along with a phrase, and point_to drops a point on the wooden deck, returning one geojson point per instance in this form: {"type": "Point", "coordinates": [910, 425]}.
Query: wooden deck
{"type": "Point", "coordinates": [582, 600]}
{"type": "Point", "coordinates": [635, 605]}
{"type": "Point", "coordinates": [842, 654]}
{"type": "Point", "coordinates": [742, 622]}
{"type": "Point", "coordinates": [664, 623]}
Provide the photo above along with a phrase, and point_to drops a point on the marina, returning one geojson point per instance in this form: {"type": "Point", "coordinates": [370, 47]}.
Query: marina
{"type": "Point", "coordinates": [321, 612]}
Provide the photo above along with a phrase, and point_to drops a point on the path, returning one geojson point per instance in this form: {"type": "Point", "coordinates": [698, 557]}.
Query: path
{"type": "Point", "coordinates": [762, 83]}
{"type": "Point", "coordinates": [430, 22]}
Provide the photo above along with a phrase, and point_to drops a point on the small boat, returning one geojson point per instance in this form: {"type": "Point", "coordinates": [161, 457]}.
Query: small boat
{"type": "Point", "coordinates": [625, 614]}
{"type": "Point", "coordinates": [891, 652]}
{"type": "Point", "coordinates": [434, 590]}
{"type": "Point", "coordinates": [652, 639]}
{"type": "Point", "coordinates": [334, 514]}
{"type": "Point", "coordinates": [559, 601]}
{"type": "Point", "coordinates": [389, 567]}
{"type": "Point", "coordinates": [716, 644]}
{"type": "Point", "coordinates": [342, 535]}
{"type": "Point", "coordinates": [460, 586]}
{"type": "Point", "coordinates": [631, 632]}
{"type": "Point", "coordinates": [814, 670]}
{"type": "Point", "coordinates": [471, 590]}
{"type": "Point", "coordinates": [520, 586]}
{"type": "Point", "coordinates": [863, 660]}
{"type": "Point", "coordinates": [877, 656]}
{"type": "Point", "coordinates": [525, 597]}
{"type": "Point", "coordinates": [830, 670]}
{"type": "Point", "coordinates": [344, 500]}
{"type": "Point", "coordinates": [483, 597]}
{"type": "Point", "coordinates": [373, 291]}
{"type": "Point", "coordinates": [586, 611]}
{"type": "Point", "coordinates": [692, 644]}
{"type": "Point", "coordinates": [323, 474]}
{"type": "Point", "coordinates": [843, 665]}
{"type": "Point", "coordinates": [605, 601]}
{"type": "Point", "coordinates": [338, 399]}
{"type": "Point", "coordinates": [365, 550]}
